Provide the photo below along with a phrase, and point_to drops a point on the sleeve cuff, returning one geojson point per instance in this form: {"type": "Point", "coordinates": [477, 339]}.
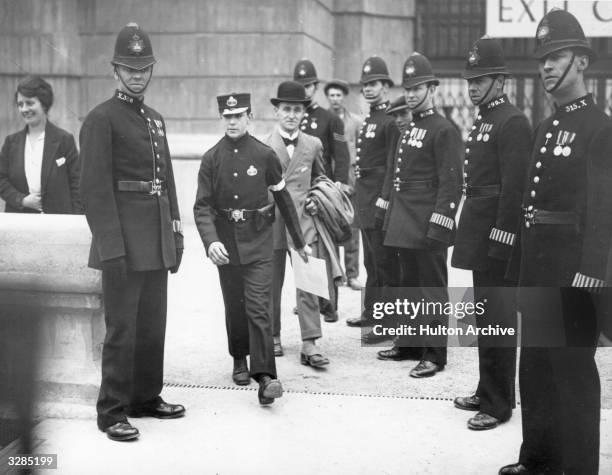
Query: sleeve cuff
{"type": "Point", "coordinates": [278, 187]}
{"type": "Point", "coordinates": [503, 237]}
{"type": "Point", "coordinates": [442, 220]}
{"type": "Point", "coordinates": [383, 204]}
{"type": "Point", "coordinates": [177, 226]}
{"type": "Point", "coordinates": [589, 283]}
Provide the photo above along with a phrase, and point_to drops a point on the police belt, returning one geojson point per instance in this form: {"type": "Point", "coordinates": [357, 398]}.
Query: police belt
{"type": "Point", "coordinates": [481, 191]}
{"type": "Point", "coordinates": [142, 186]}
{"type": "Point", "coordinates": [361, 172]}
{"type": "Point", "coordinates": [236, 215]}
{"type": "Point", "coordinates": [542, 216]}
{"type": "Point", "coordinates": [414, 185]}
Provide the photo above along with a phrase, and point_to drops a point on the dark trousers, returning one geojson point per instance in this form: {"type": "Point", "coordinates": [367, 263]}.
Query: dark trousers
{"type": "Point", "coordinates": [246, 294]}
{"type": "Point", "coordinates": [425, 269]}
{"type": "Point", "coordinates": [560, 394]}
{"type": "Point", "coordinates": [133, 352]}
{"type": "Point", "coordinates": [351, 255]}
{"type": "Point", "coordinates": [496, 355]}
{"type": "Point", "coordinates": [377, 262]}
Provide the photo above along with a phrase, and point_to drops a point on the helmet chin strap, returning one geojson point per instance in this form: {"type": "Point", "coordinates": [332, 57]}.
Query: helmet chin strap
{"type": "Point", "coordinates": [422, 100]}
{"type": "Point", "coordinates": [558, 83]}
{"type": "Point", "coordinates": [129, 88]}
{"type": "Point", "coordinates": [484, 96]}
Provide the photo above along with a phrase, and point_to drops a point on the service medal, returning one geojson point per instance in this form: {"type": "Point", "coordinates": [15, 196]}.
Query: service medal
{"type": "Point", "coordinates": [567, 151]}
{"type": "Point", "coordinates": [558, 150]}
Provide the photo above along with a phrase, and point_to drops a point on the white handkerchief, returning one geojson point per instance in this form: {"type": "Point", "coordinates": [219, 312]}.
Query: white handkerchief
{"type": "Point", "coordinates": [60, 161]}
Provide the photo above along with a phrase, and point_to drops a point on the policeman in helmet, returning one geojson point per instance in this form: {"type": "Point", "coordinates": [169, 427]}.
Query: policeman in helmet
{"type": "Point", "coordinates": [129, 196]}
{"type": "Point", "coordinates": [565, 238]}
{"type": "Point", "coordinates": [496, 159]}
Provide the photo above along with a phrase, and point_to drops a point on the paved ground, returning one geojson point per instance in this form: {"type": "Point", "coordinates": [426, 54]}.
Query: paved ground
{"type": "Point", "coordinates": [360, 415]}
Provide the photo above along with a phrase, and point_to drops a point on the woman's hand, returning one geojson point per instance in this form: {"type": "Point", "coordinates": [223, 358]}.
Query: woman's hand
{"type": "Point", "coordinates": [33, 200]}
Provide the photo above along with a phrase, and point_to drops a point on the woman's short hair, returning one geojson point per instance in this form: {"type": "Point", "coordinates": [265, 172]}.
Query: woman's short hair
{"type": "Point", "coordinates": [35, 86]}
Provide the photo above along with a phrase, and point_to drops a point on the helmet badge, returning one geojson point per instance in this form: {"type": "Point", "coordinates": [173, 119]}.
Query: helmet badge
{"type": "Point", "coordinates": [231, 102]}
{"type": "Point", "coordinates": [302, 71]}
{"type": "Point", "coordinates": [136, 45]}
{"type": "Point", "coordinates": [367, 68]}
{"type": "Point", "coordinates": [410, 69]}
{"type": "Point", "coordinates": [474, 57]}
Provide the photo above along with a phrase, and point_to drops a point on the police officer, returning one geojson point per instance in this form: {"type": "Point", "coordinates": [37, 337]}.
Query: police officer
{"type": "Point", "coordinates": [375, 149]}
{"type": "Point", "coordinates": [129, 195]}
{"type": "Point", "coordinates": [234, 219]}
{"type": "Point", "coordinates": [423, 188]}
{"type": "Point", "coordinates": [336, 91]}
{"type": "Point", "coordinates": [328, 128]}
{"type": "Point", "coordinates": [495, 166]}
{"type": "Point", "coordinates": [564, 242]}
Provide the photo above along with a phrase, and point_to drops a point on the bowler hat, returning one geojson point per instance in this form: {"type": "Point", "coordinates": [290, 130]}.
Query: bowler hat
{"type": "Point", "coordinates": [290, 91]}
{"type": "Point", "coordinates": [486, 58]}
{"type": "Point", "coordinates": [559, 30]}
{"type": "Point", "coordinates": [133, 48]}
{"type": "Point", "coordinates": [417, 70]}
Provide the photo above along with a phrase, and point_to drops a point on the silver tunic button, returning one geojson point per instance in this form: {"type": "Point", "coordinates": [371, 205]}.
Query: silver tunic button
{"type": "Point", "coordinates": [536, 179]}
{"type": "Point", "coordinates": [543, 150]}
{"type": "Point", "coordinates": [533, 193]}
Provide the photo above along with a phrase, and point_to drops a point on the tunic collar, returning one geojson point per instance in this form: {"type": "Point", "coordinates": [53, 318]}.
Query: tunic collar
{"type": "Point", "coordinates": [128, 98]}
{"type": "Point", "coordinates": [575, 105]}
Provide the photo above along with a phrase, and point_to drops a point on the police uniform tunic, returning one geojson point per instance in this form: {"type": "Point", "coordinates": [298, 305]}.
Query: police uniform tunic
{"type": "Point", "coordinates": [232, 207]}
{"type": "Point", "coordinates": [423, 187]}
{"type": "Point", "coordinates": [565, 239]}
{"type": "Point", "coordinates": [495, 167]}
{"type": "Point", "coordinates": [375, 147]}
{"type": "Point", "coordinates": [128, 192]}
{"type": "Point", "coordinates": [329, 128]}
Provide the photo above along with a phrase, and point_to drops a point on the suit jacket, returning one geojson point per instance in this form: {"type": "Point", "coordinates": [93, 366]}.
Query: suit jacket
{"type": "Point", "coordinates": [297, 172]}
{"type": "Point", "coordinates": [123, 139]}
{"type": "Point", "coordinates": [59, 173]}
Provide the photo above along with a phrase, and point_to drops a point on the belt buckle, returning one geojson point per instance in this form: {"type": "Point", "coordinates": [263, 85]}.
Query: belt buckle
{"type": "Point", "coordinates": [237, 215]}
{"type": "Point", "coordinates": [156, 189]}
{"type": "Point", "coordinates": [530, 217]}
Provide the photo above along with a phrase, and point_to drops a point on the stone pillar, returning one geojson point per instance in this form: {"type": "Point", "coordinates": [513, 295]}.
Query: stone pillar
{"type": "Point", "coordinates": [44, 273]}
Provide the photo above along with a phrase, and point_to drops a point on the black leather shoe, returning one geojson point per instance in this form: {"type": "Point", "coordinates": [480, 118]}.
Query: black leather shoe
{"type": "Point", "coordinates": [483, 421]}
{"type": "Point", "coordinates": [121, 432]}
{"type": "Point", "coordinates": [330, 316]}
{"type": "Point", "coordinates": [371, 338]}
{"type": "Point", "coordinates": [316, 360]}
{"type": "Point", "coordinates": [396, 353]}
{"type": "Point", "coordinates": [158, 409]}
{"type": "Point", "coordinates": [467, 403]}
{"type": "Point", "coordinates": [269, 389]}
{"type": "Point", "coordinates": [425, 369]}
{"type": "Point", "coordinates": [240, 374]}
{"type": "Point", "coordinates": [358, 322]}
{"type": "Point", "coordinates": [515, 469]}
